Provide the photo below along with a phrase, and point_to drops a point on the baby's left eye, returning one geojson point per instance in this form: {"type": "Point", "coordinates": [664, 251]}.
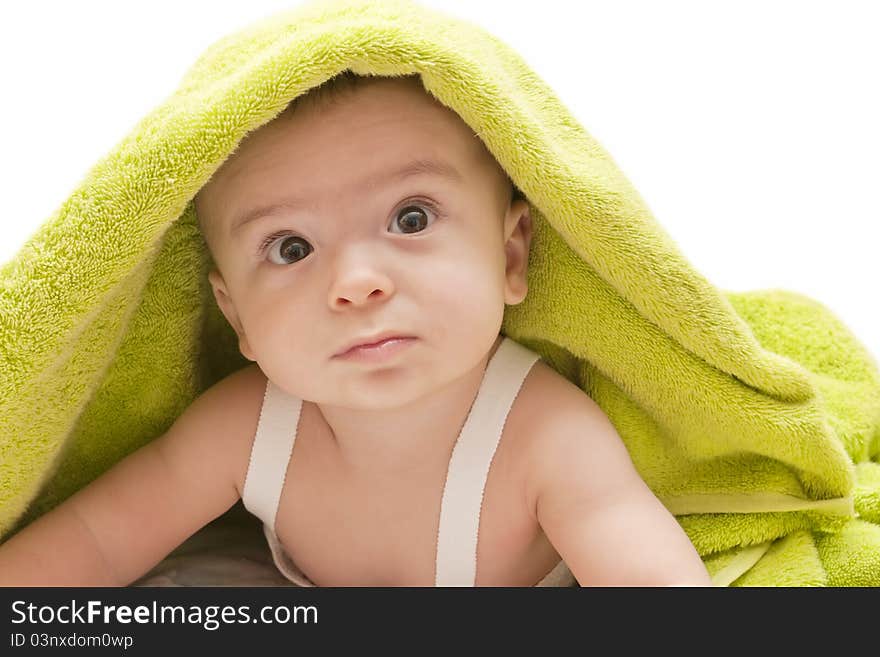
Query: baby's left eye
{"type": "Point", "coordinates": [412, 219]}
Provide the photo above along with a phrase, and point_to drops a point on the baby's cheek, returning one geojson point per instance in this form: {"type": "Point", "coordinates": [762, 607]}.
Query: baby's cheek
{"type": "Point", "coordinates": [469, 300]}
{"type": "Point", "coordinates": [278, 335]}
{"type": "Point", "coordinates": [291, 365]}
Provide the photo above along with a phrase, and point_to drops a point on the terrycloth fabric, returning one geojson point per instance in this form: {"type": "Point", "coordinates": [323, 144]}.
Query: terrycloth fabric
{"type": "Point", "coordinates": [753, 415]}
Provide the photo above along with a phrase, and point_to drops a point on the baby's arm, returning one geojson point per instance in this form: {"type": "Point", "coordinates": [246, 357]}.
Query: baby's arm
{"type": "Point", "coordinates": [122, 524]}
{"type": "Point", "coordinates": [600, 515]}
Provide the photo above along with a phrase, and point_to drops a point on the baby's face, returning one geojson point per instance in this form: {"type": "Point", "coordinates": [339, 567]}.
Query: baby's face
{"type": "Point", "coordinates": [362, 242]}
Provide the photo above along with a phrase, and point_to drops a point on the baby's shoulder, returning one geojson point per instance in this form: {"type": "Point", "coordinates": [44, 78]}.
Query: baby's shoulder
{"type": "Point", "coordinates": [547, 399]}
{"type": "Point", "coordinates": [233, 405]}
{"type": "Point", "coordinates": [548, 410]}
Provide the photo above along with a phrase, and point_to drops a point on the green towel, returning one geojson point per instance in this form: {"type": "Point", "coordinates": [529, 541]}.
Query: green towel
{"type": "Point", "coordinates": [754, 416]}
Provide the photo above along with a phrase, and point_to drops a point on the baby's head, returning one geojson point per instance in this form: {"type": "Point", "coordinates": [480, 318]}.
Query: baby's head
{"type": "Point", "coordinates": [386, 213]}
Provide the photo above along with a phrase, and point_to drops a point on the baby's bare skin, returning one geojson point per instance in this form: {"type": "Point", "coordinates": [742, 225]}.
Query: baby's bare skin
{"type": "Point", "coordinates": [343, 529]}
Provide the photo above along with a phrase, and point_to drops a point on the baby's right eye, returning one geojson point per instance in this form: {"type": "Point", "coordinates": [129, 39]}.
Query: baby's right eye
{"type": "Point", "coordinates": [287, 249]}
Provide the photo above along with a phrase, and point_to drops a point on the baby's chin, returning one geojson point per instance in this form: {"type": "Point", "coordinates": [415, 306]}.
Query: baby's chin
{"type": "Point", "coordinates": [411, 377]}
{"type": "Point", "coordinates": [378, 390]}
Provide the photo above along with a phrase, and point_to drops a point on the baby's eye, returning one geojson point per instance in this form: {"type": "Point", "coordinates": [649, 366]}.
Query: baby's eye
{"type": "Point", "coordinates": [411, 219]}
{"type": "Point", "coordinates": [288, 249]}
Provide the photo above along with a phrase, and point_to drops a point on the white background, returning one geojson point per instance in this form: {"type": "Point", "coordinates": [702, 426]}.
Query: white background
{"type": "Point", "coordinates": [749, 128]}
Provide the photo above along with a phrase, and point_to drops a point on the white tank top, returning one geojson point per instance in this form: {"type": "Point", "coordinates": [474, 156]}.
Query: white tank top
{"type": "Point", "coordinates": [466, 476]}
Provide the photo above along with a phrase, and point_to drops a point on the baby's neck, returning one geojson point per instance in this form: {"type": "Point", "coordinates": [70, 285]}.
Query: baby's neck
{"type": "Point", "coordinates": [411, 439]}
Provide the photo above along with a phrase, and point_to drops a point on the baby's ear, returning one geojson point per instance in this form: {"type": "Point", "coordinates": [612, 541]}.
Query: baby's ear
{"type": "Point", "coordinates": [518, 238]}
{"type": "Point", "coordinates": [227, 307]}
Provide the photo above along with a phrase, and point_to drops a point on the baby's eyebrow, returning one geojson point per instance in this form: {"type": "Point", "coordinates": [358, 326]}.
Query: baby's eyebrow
{"type": "Point", "coordinates": [420, 167]}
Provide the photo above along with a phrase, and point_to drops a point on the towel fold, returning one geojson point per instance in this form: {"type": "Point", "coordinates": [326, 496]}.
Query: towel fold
{"type": "Point", "coordinates": [754, 416]}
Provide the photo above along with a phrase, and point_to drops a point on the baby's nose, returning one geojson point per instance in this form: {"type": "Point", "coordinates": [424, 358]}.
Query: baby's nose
{"type": "Point", "coordinates": [360, 285]}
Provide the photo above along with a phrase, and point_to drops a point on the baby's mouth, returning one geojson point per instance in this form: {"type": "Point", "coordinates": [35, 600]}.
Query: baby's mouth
{"type": "Point", "coordinates": [377, 351]}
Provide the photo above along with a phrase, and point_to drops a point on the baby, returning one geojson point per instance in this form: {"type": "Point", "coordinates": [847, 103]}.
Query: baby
{"type": "Point", "coordinates": [366, 243]}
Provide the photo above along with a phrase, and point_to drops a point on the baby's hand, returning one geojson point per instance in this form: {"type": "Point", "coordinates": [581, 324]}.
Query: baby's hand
{"type": "Point", "coordinates": [121, 525]}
